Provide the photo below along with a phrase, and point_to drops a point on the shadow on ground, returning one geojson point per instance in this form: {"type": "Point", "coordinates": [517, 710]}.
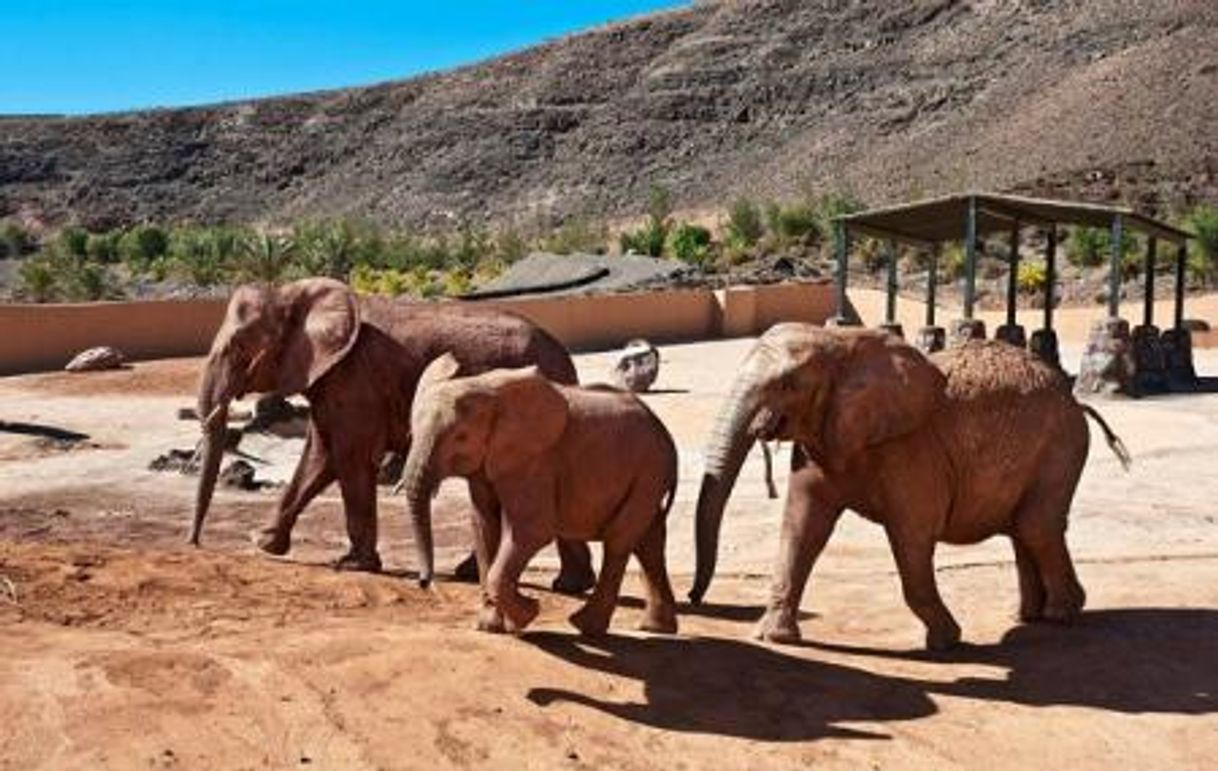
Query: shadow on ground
{"type": "Point", "coordinates": [734, 688]}
{"type": "Point", "coordinates": [45, 432]}
{"type": "Point", "coordinates": [1129, 661]}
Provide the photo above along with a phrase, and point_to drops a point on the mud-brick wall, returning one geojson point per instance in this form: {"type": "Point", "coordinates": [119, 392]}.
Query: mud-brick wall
{"type": "Point", "coordinates": [42, 337]}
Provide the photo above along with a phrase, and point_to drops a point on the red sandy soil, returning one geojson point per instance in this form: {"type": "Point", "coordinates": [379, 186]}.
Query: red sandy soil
{"type": "Point", "coordinates": [124, 649]}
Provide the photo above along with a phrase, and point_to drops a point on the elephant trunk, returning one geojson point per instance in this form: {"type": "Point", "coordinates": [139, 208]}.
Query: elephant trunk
{"type": "Point", "coordinates": [214, 398]}
{"type": "Point", "coordinates": [419, 482]}
{"type": "Point", "coordinates": [730, 441]}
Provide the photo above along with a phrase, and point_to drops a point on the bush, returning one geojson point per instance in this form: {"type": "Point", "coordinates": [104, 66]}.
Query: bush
{"type": "Point", "coordinates": [265, 258]}
{"type": "Point", "coordinates": [103, 247]}
{"type": "Point", "coordinates": [832, 205]}
{"type": "Point", "coordinates": [1203, 250]}
{"type": "Point", "coordinates": [690, 243]}
{"type": "Point", "coordinates": [1092, 247]}
{"type": "Point", "coordinates": [36, 279]}
{"type": "Point", "coordinates": [744, 223]}
{"type": "Point", "coordinates": [794, 223]}
{"type": "Point", "coordinates": [651, 238]}
{"type": "Point", "coordinates": [15, 240]}
{"type": "Point", "coordinates": [141, 246]}
{"type": "Point", "coordinates": [951, 263]}
{"type": "Point", "coordinates": [327, 247]}
{"type": "Point", "coordinates": [1031, 278]}
{"type": "Point", "coordinates": [73, 241]}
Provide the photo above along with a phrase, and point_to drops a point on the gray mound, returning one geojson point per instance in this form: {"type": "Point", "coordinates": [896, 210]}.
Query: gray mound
{"type": "Point", "coordinates": [560, 274]}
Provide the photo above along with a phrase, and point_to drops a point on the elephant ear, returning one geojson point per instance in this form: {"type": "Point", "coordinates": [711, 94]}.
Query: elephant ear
{"type": "Point", "coordinates": [531, 415]}
{"type": "Point", "coordinates": [321, 326]}
{"type": "Point", "coordinates": [884, 390]}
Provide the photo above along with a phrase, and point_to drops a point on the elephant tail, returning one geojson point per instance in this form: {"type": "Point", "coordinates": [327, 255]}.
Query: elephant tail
{"type": "Point", "coordinates": [1118, 447]}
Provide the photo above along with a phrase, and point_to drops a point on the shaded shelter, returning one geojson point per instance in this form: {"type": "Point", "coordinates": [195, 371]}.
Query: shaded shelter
{"type": "Point", "coordinates": [1116, 360]}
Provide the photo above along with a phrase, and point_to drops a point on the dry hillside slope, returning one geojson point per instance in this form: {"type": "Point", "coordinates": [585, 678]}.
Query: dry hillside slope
{"type": "Point", "coordinates": [1105, 98]}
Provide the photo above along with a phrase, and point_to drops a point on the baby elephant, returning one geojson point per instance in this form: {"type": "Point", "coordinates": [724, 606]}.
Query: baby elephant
{"type": "Point", "coordinates": [586, 464]}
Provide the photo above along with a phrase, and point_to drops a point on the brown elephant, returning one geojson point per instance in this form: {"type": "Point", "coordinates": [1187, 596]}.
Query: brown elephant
{"type": "Point", "coordinates": [357, 360]}
{"type": "Point", "coordinates": [970, 443]}
{"type": "Point", "coordinates": [581, 463]}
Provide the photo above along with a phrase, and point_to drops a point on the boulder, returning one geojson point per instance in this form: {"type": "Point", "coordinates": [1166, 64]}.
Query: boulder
{"type": "Point", "coordinates": [95, 359]}
{"type": "Point", "coordinates": [636, 366]}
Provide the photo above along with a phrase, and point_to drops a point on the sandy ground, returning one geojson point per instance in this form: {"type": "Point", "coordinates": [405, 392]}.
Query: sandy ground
{"type": "Point", "coordinates": [124, 649]}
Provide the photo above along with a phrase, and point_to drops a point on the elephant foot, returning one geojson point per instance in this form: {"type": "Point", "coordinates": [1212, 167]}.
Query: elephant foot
{"type": "Point", "coordinates": [777, 627]}
{"type": "Point", "coordinates": [467, 571]}
{"type": "Point", "coordinates": [574, 581]}
{"type": "Point", "coordinates": [943, 638]}
{"type": "Point", "coordinates": [660, 622]}
{"type": "Point", "coordinates": [364, 563]}
{"type": "Point", "coordinates": [519, 613]}
{"type": "Point", "coordinates": [1065, 610]}
{"type": "Point", "coordinates": [271, 541]}
{"type": "Point", "coordinates": [592, 622]}
{"type": "Point", "coordinates": [491, 620]}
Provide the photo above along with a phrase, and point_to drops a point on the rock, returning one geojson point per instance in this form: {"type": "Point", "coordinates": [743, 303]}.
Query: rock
{"type": "Point", "coordinates": [637, 366]}
{"type": "Point", "coordinates": [240, 475]}
{"type": "Point", "coordinates": [96, 359]}
{"type": "Point", "coordinates": [1107, 367]}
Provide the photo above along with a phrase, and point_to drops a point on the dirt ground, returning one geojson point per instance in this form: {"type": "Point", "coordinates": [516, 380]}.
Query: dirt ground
{"type": "Point", "coordinates": [124, 649]}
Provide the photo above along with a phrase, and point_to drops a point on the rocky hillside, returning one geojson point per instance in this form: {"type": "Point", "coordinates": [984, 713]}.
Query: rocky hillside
{"type": "Point", "coordinates": [1108, 99]}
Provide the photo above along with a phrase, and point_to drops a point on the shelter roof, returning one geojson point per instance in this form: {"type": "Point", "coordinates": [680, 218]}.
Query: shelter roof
{"type": "Point", "coordinates": [935, 220]}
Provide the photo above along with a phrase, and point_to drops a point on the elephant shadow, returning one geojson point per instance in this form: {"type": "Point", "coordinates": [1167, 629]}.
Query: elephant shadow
{"type": "Point", "coordinates": [733, 688]}
{"type": "Point", "coordinates": [1137, 660]}
{"type": "Point", "coordinates": [1133, 661]}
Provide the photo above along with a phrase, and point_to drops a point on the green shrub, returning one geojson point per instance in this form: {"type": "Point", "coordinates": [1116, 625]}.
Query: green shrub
{"type": "Point", "coordinates": [651, 238]}
{"type": "Point", "coordinates": [327, 247]}
{"type": "Point", "coordinates": [1203, 250]}
{"type": "Point", "coordinates": [1092, 247]}
{"type": "Point", "coordinates": [951, 263]}
{"type": "Point", "coordinates": [15, 240]}
{"type": "Point", "coordinates": [690, 243]}
{"type": "Point", "coordinates": [832, 205]}
{"type": "Point", "coordinates": [1031, 278]}
{"type": "Point", "coordinates": [792, 223]}
{"type": "Point", "coordinates": [36, 279]}
{"type": "Point", "coordinates": [511, 246]}
{"type": "Point", "coordinates": [745, 225]}
{"type": "Point", "coordinates": [265, 258]}
{"type": "Point", "coordinates": [73, 241]}
{"type": "Point", "coordinates": [103, 247]}
{"type": "Point", "coordinates": [143, 245]}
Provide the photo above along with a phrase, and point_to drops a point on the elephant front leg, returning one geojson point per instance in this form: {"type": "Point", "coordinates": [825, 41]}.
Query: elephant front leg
{"type": "Point", "coordinates": [593, 619]}
{"type": "Point", "coordinates": [914, 551]}
{"type": "Point", "coordinates": [808, 520]}
{"type": "Point", "coordinates": [486, 525]}
{"type": "Point", "coordinates": [358, 485]}
{"type": "Point", "coordinates": [1031, 588]}
{"type": "Point", "coordinates": [313, 474]}
{"type": "Point", "coordinates": [502, 592]}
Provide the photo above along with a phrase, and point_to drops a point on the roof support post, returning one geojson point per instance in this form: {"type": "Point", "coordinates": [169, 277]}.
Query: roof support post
{"type": "Point", "coordinates": [890, 308]}
{"type": "Point", "coordinates": [1114, 267]}
{"type": "Point", "coordinates": [970, 257]}
{"type": "Point", "coordinates": [1181, 258]}
{"type": "Point", "coordinates": [1050, 274]}
{"type": "Point", "coordinates": [1011, 331]}
{"type": "Point", "coordinates": [1148, 302]}
{"type": "Point", "coordinates": [1013, 276]}
{"type": "Point", "coordinates": [843, 265]}
{"type": "Point", "coordinates": [932, 278]}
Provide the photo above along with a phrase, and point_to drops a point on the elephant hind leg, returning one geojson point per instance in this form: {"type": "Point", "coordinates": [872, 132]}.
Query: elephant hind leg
{"type": "Point", "coordinates": [1040, 527]}
{"type": "Point", "coordinates": [575, 574]}
{"type": "Point", "coordinates": [915, 555]}
{"type": "Point", "coordinates": [660, 615]}
{"type": "Point", "coordinates": [1031, 587]}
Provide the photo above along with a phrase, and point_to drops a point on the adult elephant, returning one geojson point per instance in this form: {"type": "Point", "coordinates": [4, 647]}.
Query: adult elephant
{"type": "Point", "coordinates": [357, 360]}
{"type": "Point", "coordinates": [977, 441]}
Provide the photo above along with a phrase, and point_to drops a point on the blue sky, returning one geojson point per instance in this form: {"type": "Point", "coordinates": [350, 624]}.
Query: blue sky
{"type": "Point", "coordinates": [72, 56]}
